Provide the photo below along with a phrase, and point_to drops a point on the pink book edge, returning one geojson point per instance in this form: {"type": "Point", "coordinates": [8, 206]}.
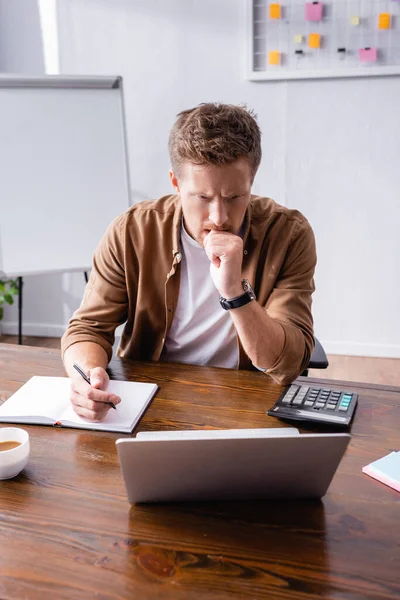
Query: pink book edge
{"type": "Point", "coordinates": [376, 474]}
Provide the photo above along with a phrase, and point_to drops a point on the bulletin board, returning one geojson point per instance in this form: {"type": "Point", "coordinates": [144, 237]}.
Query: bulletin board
{"type": "Point", "coordinates": [296, 39]}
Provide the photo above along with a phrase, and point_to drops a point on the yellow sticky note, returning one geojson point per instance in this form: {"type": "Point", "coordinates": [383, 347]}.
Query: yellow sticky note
{"type": "Point", "coordinates": [298, 39]}
{"type": "Point", "coordinates": [274, 11]}
{"type": "Point", "coordinates": [384, 21]}
{"type": "Point", "coordinates": [355, 20]}
{"type": "Point", "coordinates": [314, 40]}
{"type": "Point", "coordinates": [274, 57]}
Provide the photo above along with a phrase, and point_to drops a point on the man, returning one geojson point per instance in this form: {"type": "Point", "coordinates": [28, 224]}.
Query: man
{"type": "Point", "coordinates": [210, 275]}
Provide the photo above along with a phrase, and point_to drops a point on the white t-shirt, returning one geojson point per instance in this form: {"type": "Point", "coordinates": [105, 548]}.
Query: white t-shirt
{"type": "Point", "coordinates": [202, 332]}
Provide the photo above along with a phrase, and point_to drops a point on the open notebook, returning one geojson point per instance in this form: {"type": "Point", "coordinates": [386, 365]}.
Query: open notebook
{"type": "Point", "coordinates": [45, 401]}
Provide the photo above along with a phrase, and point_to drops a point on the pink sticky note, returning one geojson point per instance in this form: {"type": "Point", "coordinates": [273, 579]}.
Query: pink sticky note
{"type": "Point", "coordinates": [313, 11]}
{"type": "Point", "coordinates": [368, 54]}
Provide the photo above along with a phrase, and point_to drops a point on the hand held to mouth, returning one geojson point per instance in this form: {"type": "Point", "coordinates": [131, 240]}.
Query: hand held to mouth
{"type": "Point", "coordinates": [225, 252]}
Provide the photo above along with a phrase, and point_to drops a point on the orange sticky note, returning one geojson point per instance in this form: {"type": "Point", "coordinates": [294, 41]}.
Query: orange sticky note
{"type": "Point", "coordinates": [274, 11]}
{"type": "Point", "coordinates": [384, 21]}
{"type": "Point", "coordinates": [274, 57]}
{"type": "Point", "coordinates": [314, 40]}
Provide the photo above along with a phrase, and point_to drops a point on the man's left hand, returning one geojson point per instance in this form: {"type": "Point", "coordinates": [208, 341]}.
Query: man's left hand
{"type": "Point", "coordinates": [225, 252]}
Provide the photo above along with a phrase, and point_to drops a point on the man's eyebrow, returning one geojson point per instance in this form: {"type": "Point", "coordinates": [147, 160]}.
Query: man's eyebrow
{"type": "Point", "coordinates": [208, 195]}
{"type": "Point", "coordinates": [200, 193]}
{"type": "Point", "coordinates": [233, 194]}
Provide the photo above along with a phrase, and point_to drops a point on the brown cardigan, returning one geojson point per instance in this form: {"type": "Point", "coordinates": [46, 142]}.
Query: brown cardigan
{"type": "Point", "coordinates": [136, 272]}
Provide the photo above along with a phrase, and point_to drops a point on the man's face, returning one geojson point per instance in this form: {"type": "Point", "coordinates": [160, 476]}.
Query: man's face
{"type": "Point", "coordinates": [213, 197]}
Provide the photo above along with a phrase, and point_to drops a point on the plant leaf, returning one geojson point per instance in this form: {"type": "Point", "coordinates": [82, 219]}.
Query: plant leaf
{"type": "Point", "coordinates": [1, 312]}
{"type": "Point", "coordinates": [8, 298]}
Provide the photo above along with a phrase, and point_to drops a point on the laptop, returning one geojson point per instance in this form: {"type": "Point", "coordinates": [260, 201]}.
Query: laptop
{"type": "Point", "coordinates": [243, 464]}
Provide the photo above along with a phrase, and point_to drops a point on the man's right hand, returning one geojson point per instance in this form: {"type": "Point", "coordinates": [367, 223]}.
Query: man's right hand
{"type": "Point", "coordinates": [90, 401]}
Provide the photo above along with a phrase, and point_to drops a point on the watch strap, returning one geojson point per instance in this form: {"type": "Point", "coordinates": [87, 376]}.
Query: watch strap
{"type": "Point", "coordinates": [237, 302]}
{"type": "Point", "coordinates": [247, 296]}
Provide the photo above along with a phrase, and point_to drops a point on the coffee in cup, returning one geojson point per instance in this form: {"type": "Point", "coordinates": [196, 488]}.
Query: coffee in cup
{"type": "Point", "coordinates": [4, 446]}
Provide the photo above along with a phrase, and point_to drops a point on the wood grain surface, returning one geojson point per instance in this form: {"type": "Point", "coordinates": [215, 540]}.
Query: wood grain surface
{"type": "Point", "coordinates": [68, 532]}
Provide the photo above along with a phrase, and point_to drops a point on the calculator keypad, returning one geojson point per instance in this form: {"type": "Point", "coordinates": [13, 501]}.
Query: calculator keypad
{"type": "Point", "coordinates": [316, 403]}
{"type": "Point", "coordinates": [319, 398]}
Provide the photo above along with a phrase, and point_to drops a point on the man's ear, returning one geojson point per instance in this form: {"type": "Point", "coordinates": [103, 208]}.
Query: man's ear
{"type": "Point", "coordinates": [174, 181]}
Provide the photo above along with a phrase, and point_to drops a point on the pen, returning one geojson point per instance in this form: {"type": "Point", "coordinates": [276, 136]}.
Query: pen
{"type": "Point", "coordinates": [86, 378]}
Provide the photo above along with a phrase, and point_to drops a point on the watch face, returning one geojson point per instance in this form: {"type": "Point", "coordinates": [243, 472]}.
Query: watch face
{"type": "Point", "coordinates": [247, 288]}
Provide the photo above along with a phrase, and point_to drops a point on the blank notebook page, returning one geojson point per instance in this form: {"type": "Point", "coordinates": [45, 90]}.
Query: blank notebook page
{"type": "Point", "coordinates": [39, 397]}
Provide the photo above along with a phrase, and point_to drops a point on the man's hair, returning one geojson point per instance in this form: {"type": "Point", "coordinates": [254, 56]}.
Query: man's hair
{"type": "Point", "coordinates": [215, 134]}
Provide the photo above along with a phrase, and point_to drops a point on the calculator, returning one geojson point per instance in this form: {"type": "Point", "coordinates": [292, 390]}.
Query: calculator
{"type": "Point", "coordinates": [317, 404]}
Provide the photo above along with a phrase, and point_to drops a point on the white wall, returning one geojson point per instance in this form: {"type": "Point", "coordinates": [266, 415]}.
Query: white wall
{"type": "Point", "coordinates": [21, 49]}
{"type": "Point", "coordinates": [343, 173]}
{"type": "Point", "coordinates": [329, 150]}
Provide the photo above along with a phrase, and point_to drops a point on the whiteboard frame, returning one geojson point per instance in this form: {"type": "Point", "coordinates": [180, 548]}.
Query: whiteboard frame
{"type": "Point", "coordinates": [61, 81]}
{"type": "Point", "coordinates": [286, 75]}
{"type": "Point", "coordinates": [76, 82]}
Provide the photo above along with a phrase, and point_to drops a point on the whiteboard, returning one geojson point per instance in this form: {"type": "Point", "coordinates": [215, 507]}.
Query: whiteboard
{"type": "Point", "coordinates": [63, 170]}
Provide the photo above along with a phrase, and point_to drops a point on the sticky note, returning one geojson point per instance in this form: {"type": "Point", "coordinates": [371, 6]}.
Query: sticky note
{"type": "Point", "coordinates": [274, 57]}
{"type": "Point", "coordinates": [298, 39]}
{"type": "Point", "coordinates": [368, 54]}
{"type": "Point", "coordinates": [384, 21]}
{"type": "Point", "coordinates": [314, 40]}
{"type": "Point", "coordinates": [313, 11]}
{"type": "Point", "coordinates": [355, 20]}
{"type": "Point", "coordinates": [274, 11]}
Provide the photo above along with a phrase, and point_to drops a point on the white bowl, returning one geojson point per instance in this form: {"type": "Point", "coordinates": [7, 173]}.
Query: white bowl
{"type": "Point", "coordinates": [13, 461]}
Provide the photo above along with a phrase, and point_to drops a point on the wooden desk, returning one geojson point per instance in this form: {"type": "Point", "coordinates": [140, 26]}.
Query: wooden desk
{"type": "Point", "coordinates": [68, 532]}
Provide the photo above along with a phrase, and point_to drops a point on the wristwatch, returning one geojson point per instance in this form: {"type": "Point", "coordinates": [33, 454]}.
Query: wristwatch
{"type": "Point", "coordinates": [241, 300]}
